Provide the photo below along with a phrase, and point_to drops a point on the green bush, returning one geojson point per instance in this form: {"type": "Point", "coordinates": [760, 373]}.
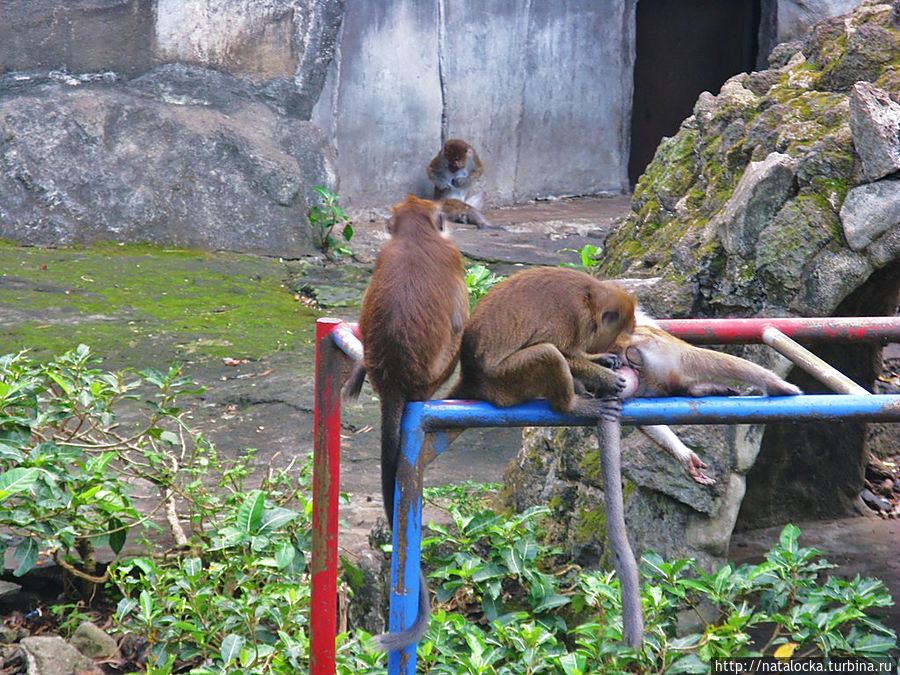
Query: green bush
{"type": "Point", "coordinates": [76, 443]}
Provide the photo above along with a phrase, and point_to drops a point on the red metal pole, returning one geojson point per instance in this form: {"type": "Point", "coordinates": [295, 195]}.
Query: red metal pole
{"type": "Point", "coordinates": [837, 329]}
{"type": "Point", "coordinates": [326, 491]}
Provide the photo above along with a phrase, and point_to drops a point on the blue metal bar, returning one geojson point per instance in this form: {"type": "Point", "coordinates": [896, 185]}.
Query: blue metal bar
{"type": "Point", "coordinates": [452, 414]}
{"type": "Point", "coordinates": [407, 536]}
{"type": "Point", "coordinates": [428, 428]}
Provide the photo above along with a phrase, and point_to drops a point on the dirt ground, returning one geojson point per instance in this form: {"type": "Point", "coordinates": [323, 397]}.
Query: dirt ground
{"type": "Point", "coordinates": [268, 403]}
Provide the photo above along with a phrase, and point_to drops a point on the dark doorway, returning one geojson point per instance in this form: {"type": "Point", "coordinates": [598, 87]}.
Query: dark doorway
{"type": "Point", "coordinates": [684, 47]}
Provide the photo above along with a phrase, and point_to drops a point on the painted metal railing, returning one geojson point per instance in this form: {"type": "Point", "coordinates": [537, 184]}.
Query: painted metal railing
{"type": "Point", "coordinates": [428, 428]}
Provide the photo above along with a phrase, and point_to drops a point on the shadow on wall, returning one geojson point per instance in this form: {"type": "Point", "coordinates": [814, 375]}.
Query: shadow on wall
{"type": "Point", "coordinates": [808, 471]}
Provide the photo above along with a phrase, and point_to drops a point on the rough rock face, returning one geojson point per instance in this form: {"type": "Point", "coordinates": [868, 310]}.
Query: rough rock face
{"type": "Point", "coordinates": [181, 156]}
{"type": "Point", "coordinates": [777, 197]}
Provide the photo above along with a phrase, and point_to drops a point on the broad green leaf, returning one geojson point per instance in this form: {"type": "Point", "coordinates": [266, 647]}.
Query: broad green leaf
{"type": "Point", "coordinates": [284, 554]}
{"type": "Point", "coordinates": [118, 535]}
{"type": "Point", "coordinates": [250, 513]}
{"type": "Point", "coordinates": [192, 566]}
{"type": "Point", "coordinates": [17, 480]}
{"type": "Point", "coordinates": [275, 519]}
{"type": "Point", "coordinates": [27, 554]}
{"type": "Point", "coordinates": [231, 647]}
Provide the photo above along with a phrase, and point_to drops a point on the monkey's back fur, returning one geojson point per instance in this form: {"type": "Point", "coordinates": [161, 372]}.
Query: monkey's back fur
{"type": "Point", "coordinates": [531, 327]}
{"type": "Point", "coordinates": [412, 326]}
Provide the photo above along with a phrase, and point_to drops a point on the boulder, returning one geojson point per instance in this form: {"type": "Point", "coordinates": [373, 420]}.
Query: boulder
{"type": "Point", "coordinates": [94, 642]}
{"type": "Point", "coordinates": [762, 204]}
{"type": "Point", "coordinates": [869, 211]}
{"type": "Point", "coordinates": [875, 123]}
{"type": "Point", "coordinates": [51, 655]}
{"type": "Point", "coordinates": [181, 157]}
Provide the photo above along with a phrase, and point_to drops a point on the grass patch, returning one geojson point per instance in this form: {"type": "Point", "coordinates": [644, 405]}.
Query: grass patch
{"type": "Point", "coordinates": [147, 300]}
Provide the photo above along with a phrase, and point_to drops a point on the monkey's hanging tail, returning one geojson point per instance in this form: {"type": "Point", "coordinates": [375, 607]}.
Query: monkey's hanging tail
{"type": "Point", "coordinates": [391, 416]}
{"type": "Point", "coordinates": [392, 642]}
{"type": "Point", "coordinates": [353, 385]}
{"type": "Point", "coordinates": [608, 435]}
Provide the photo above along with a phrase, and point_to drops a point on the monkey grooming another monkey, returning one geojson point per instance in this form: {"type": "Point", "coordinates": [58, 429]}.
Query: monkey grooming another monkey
{"type": "Point", "coordinates": [455, 172]}
{"type": "Point", "coordinates": [411, 323]}
{"type": "Point", "coordinates": [530, 335]}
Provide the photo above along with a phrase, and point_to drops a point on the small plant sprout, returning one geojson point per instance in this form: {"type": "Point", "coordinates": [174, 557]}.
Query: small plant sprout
{"type": "Point", "coordinates": [588, 257]}
{"type": "Point", "coordinates": [323, 218]}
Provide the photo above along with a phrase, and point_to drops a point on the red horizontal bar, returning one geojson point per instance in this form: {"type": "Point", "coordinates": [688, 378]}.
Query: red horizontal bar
{"type": "Point", "coordinates": [834, 329]}
{"type": "Point", "coordinates": [830, 328]}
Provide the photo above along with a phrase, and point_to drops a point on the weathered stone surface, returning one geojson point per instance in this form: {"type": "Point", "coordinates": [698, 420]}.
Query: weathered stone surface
{"type": "Point", "coordinates": [761, 192]}
{"type": "Point", "coordinates": [94, 642]}
{"type": "Point", "coordinates": [875, 122]}
{"type": "Point", "coordinates": [7, 587]}
{"type": "Point", "coordinates": [144, 162]}
{"type": "Point", "coordinates": [54, 656]}
{"type": "Point", "coordinates": [869, 211]}
{"type": "Point", "coordinates": [649, 466]}
{"type": "Point", "coordinates": [740, 214]}
{"type": "Point", "coordinates": [713, 534]}
{"type": "Point", "coordinates": [81, 35]}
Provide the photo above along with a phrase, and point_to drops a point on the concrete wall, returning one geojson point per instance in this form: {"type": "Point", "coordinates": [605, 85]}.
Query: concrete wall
{"type": "Point", "coordinates": [542, 90]}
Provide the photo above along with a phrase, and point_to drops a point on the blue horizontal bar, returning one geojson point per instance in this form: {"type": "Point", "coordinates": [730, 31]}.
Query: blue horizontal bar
{"type": "Point", "coordinates": [451, 414]}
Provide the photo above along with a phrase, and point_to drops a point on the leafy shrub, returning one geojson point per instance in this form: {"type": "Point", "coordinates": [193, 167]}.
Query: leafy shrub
{"type": "Point", "coordinates": [76, 442]}
{"type": "Point", "coordinates": [479, 280]}
{"type": "Point", "coordinates": [68, 464]}
{"type": "Point", "coordinates": [323, 218]}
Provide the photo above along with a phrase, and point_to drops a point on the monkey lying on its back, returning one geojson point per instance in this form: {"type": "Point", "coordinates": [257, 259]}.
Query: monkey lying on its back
{"type": "Point", "coordinates": [656, 363]}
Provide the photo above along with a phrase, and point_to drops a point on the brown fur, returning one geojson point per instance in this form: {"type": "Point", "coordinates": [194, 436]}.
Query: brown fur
{"type": "Point", "coordinates": [455, 172]}
{"type": "Point", "coordinates": [411, 323]}
{"type": "Point", "coordinates": [531, 333]}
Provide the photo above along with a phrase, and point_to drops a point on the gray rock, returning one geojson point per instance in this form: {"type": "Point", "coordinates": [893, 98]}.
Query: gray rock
{"type": "Point", "coordinates": [646, 464]}
{"type": "Point", "coordinates": [7, 587]}
{"type": "Point", "coordinates": [828, 278]}
{"type": "Point", "coordinates": [875, 123]}
{"type": "Point", "coordinates": [54, 656]}
{"type": "Point", "coordinates": [712, 534]}
{"type": "Point", "coordinates": [869, 211]}
{"type": "Point", "coordinates": [760, 193]}
{"type": "Point", "coordinates": [94, 642]}
{"type": "Point", "coordinates": [150, 162]}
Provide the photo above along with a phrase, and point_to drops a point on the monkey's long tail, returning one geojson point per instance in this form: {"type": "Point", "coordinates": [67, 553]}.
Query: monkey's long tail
{"type": "Point", "coordinates": [391, 415]}
{"type": "Point", "coordinates": [608, 435]}
{"type": "Point", "coordinates": [391, 642]}
{"type": "Point", "coordinates": [354, 383]}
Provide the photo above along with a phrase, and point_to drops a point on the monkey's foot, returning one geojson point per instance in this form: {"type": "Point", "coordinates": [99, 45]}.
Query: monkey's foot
{"type": "Point", "coordinates": [610, 408]}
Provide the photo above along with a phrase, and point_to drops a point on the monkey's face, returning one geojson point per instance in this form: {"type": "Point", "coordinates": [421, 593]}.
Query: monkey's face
{"type": "Point", "coordinates": [456, 153]}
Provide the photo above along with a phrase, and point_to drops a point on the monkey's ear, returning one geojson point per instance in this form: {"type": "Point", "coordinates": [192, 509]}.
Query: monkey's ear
{"type": "Point", "coordinates": [611, 318]}
{"type": "Point", "coordinates": [439, 220]}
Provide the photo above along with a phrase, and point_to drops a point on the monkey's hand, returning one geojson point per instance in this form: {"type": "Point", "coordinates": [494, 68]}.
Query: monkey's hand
{"type": "Point", "coordinates": [694, 466]}
{"type": "Point", "coordinates": [607, 360]}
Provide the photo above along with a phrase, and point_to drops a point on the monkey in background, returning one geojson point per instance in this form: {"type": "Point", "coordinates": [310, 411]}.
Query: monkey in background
{"type": "Point", "coordinates": [411, 323]}
{"type": "Point", "coordinates": [455, 172]}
